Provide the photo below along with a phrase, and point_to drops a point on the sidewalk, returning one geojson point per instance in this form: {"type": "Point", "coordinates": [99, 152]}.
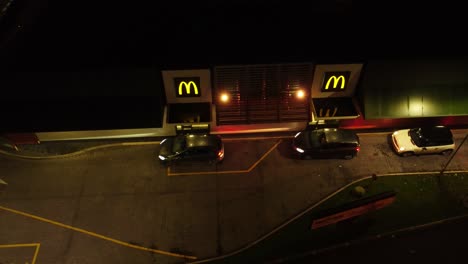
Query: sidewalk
{"type": "Point", "coordinates": [55, 148]}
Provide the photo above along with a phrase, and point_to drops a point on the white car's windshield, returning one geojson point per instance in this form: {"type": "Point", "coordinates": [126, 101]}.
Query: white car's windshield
{"type": "Point", "coordinates": [416, 136]}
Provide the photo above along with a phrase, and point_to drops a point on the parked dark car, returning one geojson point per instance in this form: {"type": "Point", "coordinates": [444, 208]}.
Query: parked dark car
{"type": "Point", "coordinates": [326, 143]}
{"type": "Point", "coordinates": [194, 147]}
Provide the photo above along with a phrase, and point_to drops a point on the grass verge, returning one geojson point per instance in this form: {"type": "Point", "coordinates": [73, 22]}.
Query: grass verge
{"type": "Point", "coordinates": [420, 199]}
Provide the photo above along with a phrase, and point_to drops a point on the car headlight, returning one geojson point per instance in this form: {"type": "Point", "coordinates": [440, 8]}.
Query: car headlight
{"type": "Point", "coordinates": [162, 157]}
{"type": "Point", "coordinates": [402, 148]}
{"type": "Point", "coordinates": [300, 150]}
{"type": "Point", "coordinates": [298, 133]}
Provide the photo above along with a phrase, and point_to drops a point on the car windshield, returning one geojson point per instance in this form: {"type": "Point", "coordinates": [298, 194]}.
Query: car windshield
{"type": "Point", "coordinates": [416, 137]}
{"type": "Point", "coordinates": [316, 138]}
{"type": "Point", "coordinates": [179, 145]}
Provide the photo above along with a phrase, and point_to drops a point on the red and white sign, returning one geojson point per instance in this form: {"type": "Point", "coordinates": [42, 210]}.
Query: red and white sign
{"type": "Point", "coordinates": [363, 209]}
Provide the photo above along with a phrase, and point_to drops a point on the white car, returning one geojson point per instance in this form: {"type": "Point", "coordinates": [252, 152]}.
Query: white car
{"type": "Point", "coordinates": [423, 140]}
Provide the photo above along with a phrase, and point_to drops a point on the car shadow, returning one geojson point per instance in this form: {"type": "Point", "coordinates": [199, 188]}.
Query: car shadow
{"type": "Point", "coordinates": [390, 144]}
{"type": "Point", "coordinates": [286, 150]}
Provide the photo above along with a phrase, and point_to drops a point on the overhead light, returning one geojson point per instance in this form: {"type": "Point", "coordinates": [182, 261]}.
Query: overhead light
{"type": "Point", "coordinates": [300, 94]}
{"type": "Point", "coordinates": [224, 97]}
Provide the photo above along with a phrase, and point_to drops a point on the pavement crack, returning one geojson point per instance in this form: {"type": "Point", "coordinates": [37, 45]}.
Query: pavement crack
{"type": "Point", "coordinates": [75, 212]}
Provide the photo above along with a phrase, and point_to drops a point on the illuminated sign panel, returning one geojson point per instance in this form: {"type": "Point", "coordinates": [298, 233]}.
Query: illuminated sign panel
{"type": "Point", "coordinates": [187, 87]}
{"type": "Point", "coordinates": [335, 81]}
{"type": "Point", "coordinates": [327, 112]}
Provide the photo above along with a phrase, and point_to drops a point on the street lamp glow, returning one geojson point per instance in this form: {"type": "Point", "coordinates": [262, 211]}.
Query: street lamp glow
{"type": "Point", "coordinates": [224, 97]}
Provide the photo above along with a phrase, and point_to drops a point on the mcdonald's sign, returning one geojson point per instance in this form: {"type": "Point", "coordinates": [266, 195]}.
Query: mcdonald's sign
{"type": "Point", "coordinates": [335, 81]}
{"type": "Point", "coordinates": [327, 112]}
{"type": "Point", "coordinates": [187, 87]}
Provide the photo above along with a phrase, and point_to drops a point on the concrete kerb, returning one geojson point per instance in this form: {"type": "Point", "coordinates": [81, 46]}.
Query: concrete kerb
{"type": "Point", "coordinates": [321, 202]}
{"type": "Point", "coordinates": [79, 152]}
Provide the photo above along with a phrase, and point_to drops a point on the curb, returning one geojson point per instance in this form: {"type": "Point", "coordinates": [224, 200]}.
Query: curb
{"type": "Point", "coordinates": [80, 152]}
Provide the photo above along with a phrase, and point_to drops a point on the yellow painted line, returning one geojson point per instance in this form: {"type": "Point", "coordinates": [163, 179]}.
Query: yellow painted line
{"type": "Point", "coordinates": [264, 155]}
{"type": "Point", "coordinates": [36, 250]}
{"type": "Point", "coordinates": [19, 245]}
{"type": "Point", "coordinates": [96, 235]}
{"type": "Point", "coordinates": [225, 172]}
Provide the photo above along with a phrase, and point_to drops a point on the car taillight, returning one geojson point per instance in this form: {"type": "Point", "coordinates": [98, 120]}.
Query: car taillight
{"type": "Point", "coordinates": [358, 149]}
{"type": "Point", "coordinates": [220, 153]}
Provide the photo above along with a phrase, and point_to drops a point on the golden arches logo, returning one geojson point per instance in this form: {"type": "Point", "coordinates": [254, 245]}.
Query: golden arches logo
{"type": "Point", "coordinates": [327, 112]}
{"type": "Point", "coordinates": [187, 87]}
{"type": "Point", "coordinates": [336, 80]}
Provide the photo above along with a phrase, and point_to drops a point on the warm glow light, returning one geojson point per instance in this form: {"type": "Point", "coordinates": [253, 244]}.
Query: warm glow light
{"type": "Point", "coordinates": [300, 94]}
{"type": "Point", "coordinates": [224, 97]}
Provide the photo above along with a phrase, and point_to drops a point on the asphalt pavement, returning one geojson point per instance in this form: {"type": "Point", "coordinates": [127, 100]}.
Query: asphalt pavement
{"type": "Point", "coordinates": [58, 148]}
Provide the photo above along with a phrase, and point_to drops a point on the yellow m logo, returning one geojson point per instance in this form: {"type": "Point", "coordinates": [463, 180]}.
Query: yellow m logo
{"type": "Point", "coordinates": [326, 112]}
{"type": "Point", "coordinates": [187, 87]}
{"type": "Point", "coordinates": [335, 81]}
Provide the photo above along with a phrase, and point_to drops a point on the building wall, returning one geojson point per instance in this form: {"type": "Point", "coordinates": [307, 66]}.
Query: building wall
{"type": "Point", "coordinates": [415, 88]}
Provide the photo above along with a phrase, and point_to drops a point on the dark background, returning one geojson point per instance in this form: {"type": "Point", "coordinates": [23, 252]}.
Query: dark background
{"type": "Point", "coordinates": [73, 34]}
{"type": "Point", "coordinates": [107, 39]}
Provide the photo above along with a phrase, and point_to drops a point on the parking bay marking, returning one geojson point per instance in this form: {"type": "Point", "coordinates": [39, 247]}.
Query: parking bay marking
{"type": "Point", "coordinates": [36, 251]}
{"type": "Point", "coordinates": [96, 235]}
{"type": "Point", "coordinates": [226, 172]}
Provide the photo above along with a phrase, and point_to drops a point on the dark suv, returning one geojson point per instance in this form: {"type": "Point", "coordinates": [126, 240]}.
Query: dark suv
{"type": "Point", "coordinates": [194, 147]}
{"type": "Point", "coordinates": [326, 143]}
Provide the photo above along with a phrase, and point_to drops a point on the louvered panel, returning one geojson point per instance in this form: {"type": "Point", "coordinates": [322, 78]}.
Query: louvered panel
{"type": "Point", "coordinates": [262, 93]}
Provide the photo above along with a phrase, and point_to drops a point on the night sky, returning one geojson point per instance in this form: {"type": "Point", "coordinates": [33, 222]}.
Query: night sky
{"type": "Point", "coordinates": [49, 37]}
{"type": "Point", "coordinates": [77, 34]}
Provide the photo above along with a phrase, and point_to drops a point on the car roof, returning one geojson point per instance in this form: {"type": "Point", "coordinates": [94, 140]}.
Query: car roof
{"type": "Point", "coordinates": [340, 135]}
{"type": "Point", "coordinates": [202, 140]}
{"type": "Point", "coordinates": [436, 132]}
{"type": "Point", "coordinates": [335, 135]}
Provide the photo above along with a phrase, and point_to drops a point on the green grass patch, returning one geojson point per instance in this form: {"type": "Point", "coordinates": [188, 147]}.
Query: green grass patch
{"type": "Point", "coordinates": [420, 199]}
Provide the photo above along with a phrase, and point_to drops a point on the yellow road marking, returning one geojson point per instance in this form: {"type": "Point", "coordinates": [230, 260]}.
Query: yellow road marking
{"type": "Point", "coordinates": [96, 235]}
{"type": "Point", "coordinates": [264, 155]}
{"type": "Point", "coordinates": [225, 172]}
{"type": "Point", "coordinates": [36, 251]}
